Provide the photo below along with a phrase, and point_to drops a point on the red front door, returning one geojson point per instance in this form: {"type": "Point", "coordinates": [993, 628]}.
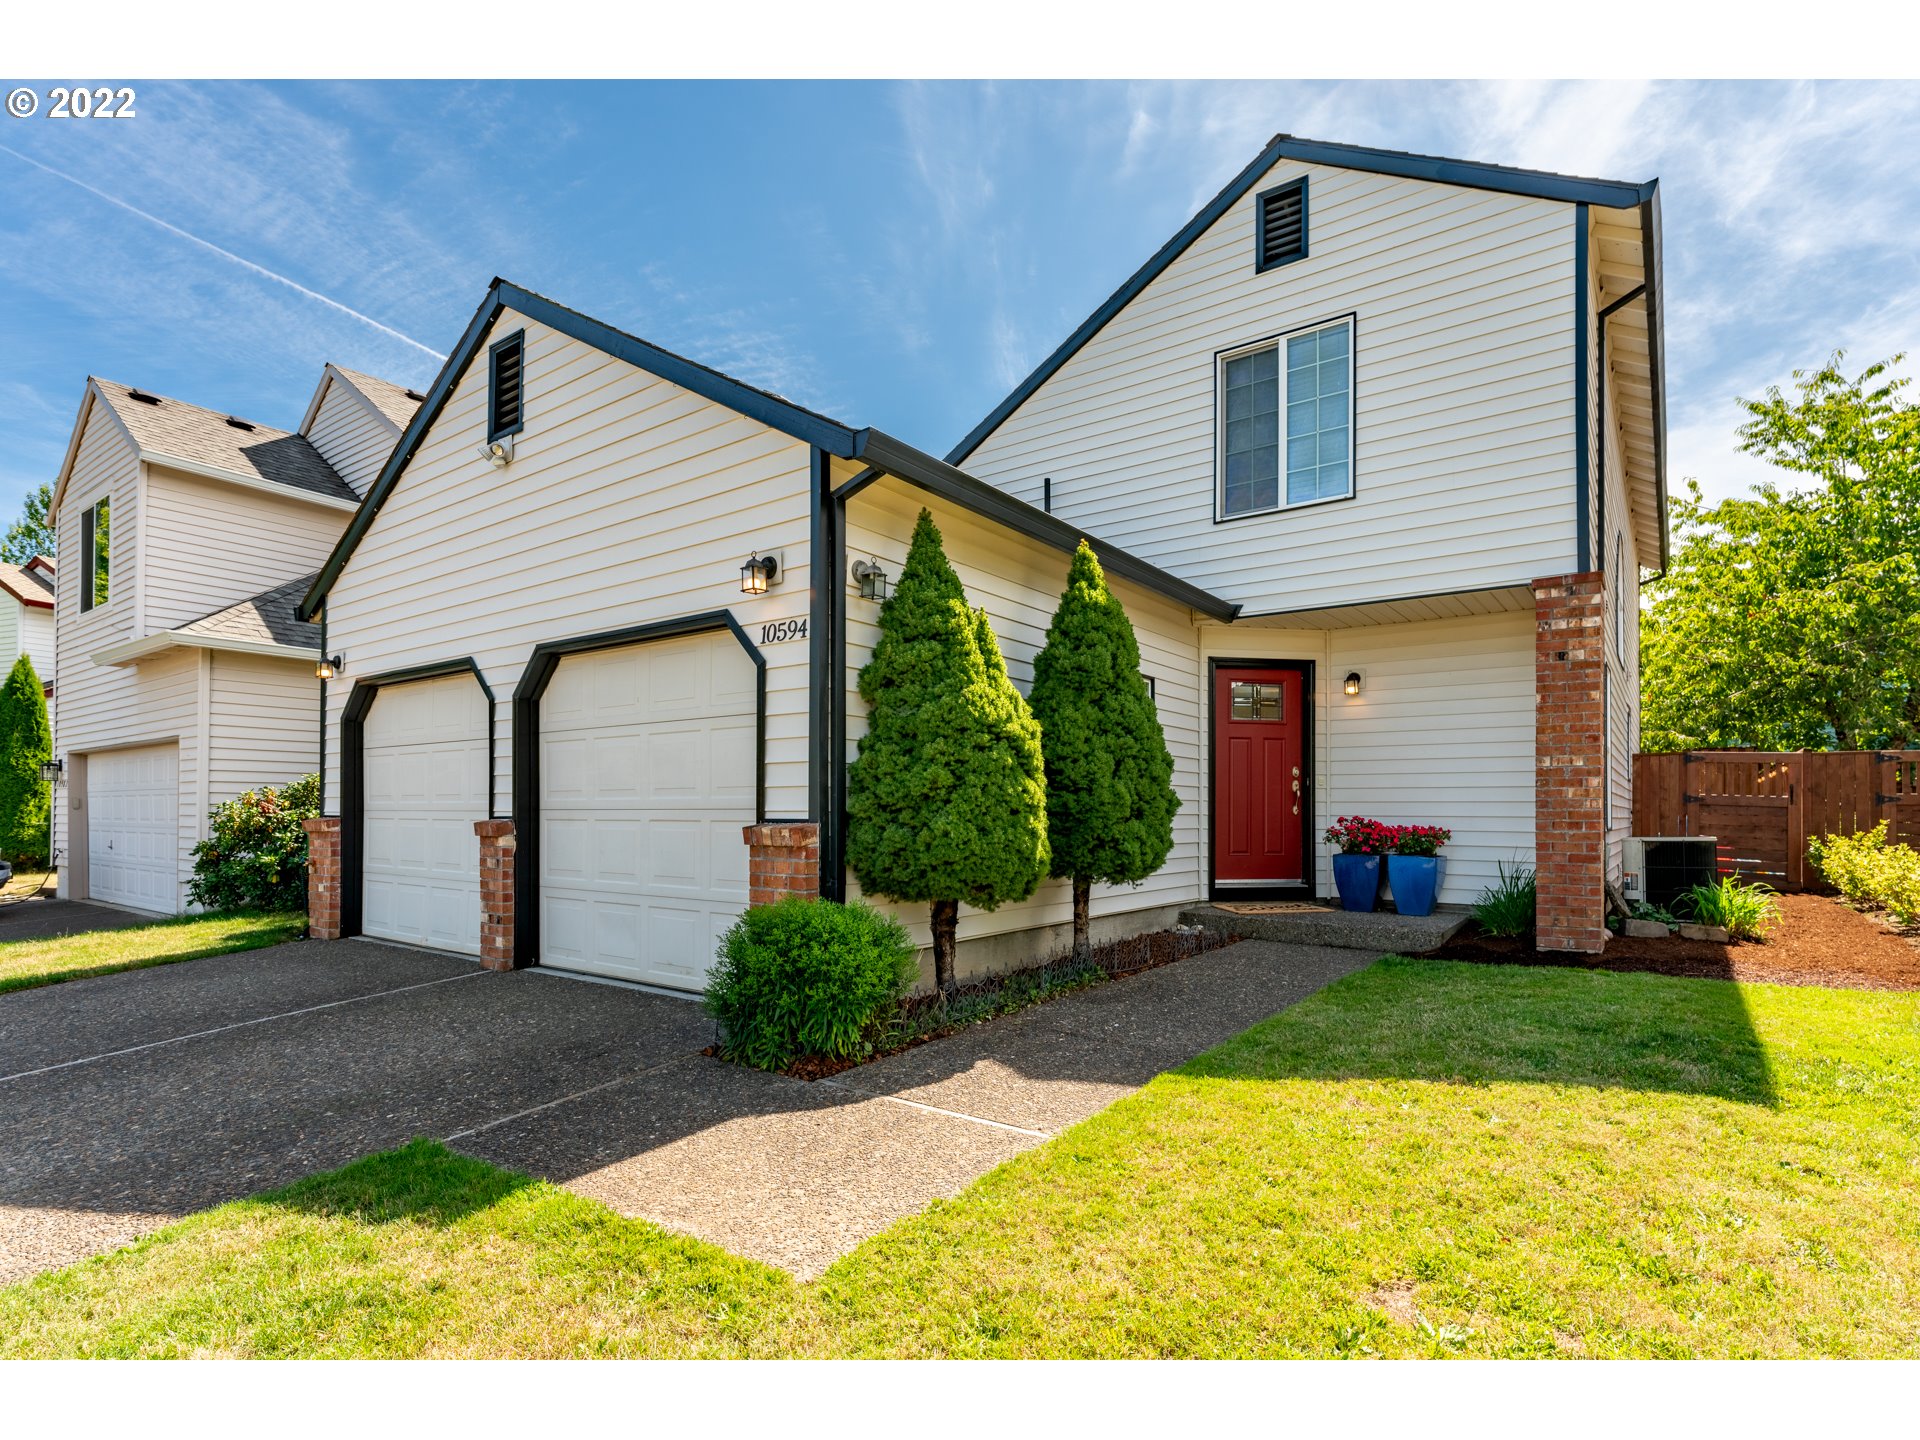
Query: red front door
{"type": "Point", "coordinates": [1259, 784]}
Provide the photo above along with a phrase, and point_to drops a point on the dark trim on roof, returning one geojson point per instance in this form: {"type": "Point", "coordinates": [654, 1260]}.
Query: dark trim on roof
{"type": "Point", "coordinates": [1504, 179]}
{"type": "Point", "coordinates": [903, 462]}
{"type": "Point", "coordinates": [769, 409]}
{"type": "Point", "coordinates": [880, 451]}
{"type": "Point", "coordinates": [1656, 352]}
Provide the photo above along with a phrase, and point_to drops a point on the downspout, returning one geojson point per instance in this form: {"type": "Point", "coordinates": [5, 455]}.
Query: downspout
{"type": "Point", "coordinates": [833, 852]}
{"type": "Point", "coordinates": [323, 717]}
{"type": "Point", "coordinates": [1583, 419]}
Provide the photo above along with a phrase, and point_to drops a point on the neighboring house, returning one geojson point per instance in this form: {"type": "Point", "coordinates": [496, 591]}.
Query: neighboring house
{"type": "Point", "coordinates": [26, 618]}
{"type": "Point", "coordinates": [1423, 452]}
{"type": "Point", "coordinates": [184, 677]}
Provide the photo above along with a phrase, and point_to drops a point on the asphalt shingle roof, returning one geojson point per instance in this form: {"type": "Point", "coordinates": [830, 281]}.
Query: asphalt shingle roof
{"type": "Point", "coordinates": [206, 437]}
{"type": "Point", "coordinates": [268, 618]}
{"type": "Point", "coordinates": [31, 586]}
{"type": "Point", "coordinates": [396, 402]}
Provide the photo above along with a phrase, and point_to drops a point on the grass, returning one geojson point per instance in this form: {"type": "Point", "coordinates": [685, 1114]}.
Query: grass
{"type": "Point", "coordinates": [1425, 1159]}
{"type": "Point", "coordinates": [25, 964]}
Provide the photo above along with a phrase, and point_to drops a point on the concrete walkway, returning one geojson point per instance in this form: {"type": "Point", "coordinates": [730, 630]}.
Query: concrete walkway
{"type": "Point", "coordinates": [129, 1100]}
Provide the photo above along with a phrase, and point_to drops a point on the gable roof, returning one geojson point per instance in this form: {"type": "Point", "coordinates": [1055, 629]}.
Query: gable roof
{"type": "Point", "coordinates": [393, 403]}
{"type": "Point", "coordinates": [27, 584]}
{"type": "Point", "coordinates": [1505, 179]}
{"type": "Point", "coordinates": [166, 431]}
{"type": "Point", "coordinates": [880, 451]}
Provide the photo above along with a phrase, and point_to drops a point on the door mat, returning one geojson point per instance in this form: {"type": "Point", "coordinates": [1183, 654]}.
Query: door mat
{"type": "Point", "coordinates": [1271, 907]}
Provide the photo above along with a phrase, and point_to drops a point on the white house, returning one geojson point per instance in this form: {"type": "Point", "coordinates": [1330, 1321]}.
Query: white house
{"type": "Point", "coordinates": [183, 674]}
{"type": "Point", "coordinates": [1371, 451]}
{"type": "Point", "coordinates": [26, 617]}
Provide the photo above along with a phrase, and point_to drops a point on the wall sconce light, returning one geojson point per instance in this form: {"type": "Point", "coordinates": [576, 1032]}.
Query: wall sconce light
{"type": "Point", "coordinates": [51, 770]}
{"type": "Point", "coordinates": [329, 667]}
{"type": "Point", "coordinates": [871, 579]}
{"type": "Point", "coordinates": [757, 574]}
{"type": "Point", "coordinates": [1353, 682]}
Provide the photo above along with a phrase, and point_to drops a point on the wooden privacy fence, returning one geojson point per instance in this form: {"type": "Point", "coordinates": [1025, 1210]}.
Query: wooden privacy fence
{"type": "Point", "coordinates": [1762, 806]}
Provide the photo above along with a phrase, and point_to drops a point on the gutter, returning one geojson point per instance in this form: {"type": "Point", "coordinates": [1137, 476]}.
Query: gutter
{"type": "Point", "coordinates": [129, 652]}
{"type": "Point", "coordinates": [251, 482]}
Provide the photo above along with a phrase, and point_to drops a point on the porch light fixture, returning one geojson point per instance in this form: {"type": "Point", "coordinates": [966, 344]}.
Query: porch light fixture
{"type": "Point", "coordinates": [329, 666]}
{"type": "Point", "coordinates": [51, 770]}
{"type": "Point", "coordinates": [871, 579]}
{"type": "Point", "coordinates": [757, 574]}
{"type": "Point", "coordinates": [1353, 682]}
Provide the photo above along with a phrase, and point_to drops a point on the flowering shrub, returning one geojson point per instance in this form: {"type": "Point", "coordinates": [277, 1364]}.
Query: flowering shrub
{"type": "Point", "coordinates": [1420, 839]}
{"type": "Point", "coordinates": [1357, 835]}
{"type": "Point", "coordinates": [255, 853]}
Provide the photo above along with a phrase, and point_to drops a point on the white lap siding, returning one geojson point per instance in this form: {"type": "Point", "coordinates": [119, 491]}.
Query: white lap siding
{"type": "Point", "coordinates": [354, 437]}
{"type": "Point", "coordinates": [265, 724]}
{"type": "Point", "coordinates": [629, 501]}
{"type": "Point", "coordinates": [1464, 422]}
{"type": "Point", "coordinates": [1018, 582]}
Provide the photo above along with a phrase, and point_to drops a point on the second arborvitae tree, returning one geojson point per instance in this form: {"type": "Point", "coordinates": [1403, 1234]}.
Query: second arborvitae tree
{"type": "Point", "coordinates": [946, 801]}
{"type": "Point", "coordinates": [1110, 796]}
{"type": "Point", "coordinates": [26, 743]}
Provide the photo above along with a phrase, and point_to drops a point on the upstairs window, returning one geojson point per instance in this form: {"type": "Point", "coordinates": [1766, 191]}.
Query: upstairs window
{"type": "Point", "coordinates": [94, 570]}
{"type": "Point", "coordinates": [1281, 219]}
{"type": "Point", "coordinates": [1286, 422]}
{"type": "Point", "coordinates": [504, 387]}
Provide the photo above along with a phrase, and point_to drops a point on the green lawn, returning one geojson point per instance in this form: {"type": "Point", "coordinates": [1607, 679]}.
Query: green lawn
{"type": "Point", "coordinates": [27, 963]}
{"type": "Point", "coordinates": [1426, 1159]}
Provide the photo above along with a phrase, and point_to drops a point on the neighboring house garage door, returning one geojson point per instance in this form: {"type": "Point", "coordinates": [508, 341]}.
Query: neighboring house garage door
{"type": "Point", "coordinates": [648, 758]}
{"type": "Point", "coordinates": [133, 827]}
{"type": "Point", "coordinates": [425, 752]}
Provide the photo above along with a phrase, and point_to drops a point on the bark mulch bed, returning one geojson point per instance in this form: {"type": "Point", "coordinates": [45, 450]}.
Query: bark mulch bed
{"type": "Point", "coordinates": [1819, 941]}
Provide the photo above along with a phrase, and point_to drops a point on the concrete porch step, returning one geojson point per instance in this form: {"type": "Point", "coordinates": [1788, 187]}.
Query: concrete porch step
{"type": "Point", "coordinates": [1382, 931]}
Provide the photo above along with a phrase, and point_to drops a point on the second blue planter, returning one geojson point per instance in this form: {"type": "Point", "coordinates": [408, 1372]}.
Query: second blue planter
{"type": "Point", "coordinates": [1414, 880]}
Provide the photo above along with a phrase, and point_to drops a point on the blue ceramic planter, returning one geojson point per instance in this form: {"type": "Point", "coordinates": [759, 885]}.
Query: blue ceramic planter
{"type": "Point", "coordinates": [1415, 881]}
{"type": "Point", "coordinates": [1357, 877]}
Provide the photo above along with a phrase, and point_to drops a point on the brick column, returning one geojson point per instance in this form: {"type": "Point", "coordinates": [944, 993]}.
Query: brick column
{"type": "Point", "coordinates": [323, 876]}
{"type": "Point", "coordinates": [1569, 758]}
{"type": "Point", "coordinates": [497, 846]}
{"type": "Point", "coordinates": [783, 858]}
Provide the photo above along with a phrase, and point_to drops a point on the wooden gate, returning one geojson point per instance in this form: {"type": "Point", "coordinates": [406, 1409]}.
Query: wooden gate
{"type": "Point", "coordinates": [1763, 806]}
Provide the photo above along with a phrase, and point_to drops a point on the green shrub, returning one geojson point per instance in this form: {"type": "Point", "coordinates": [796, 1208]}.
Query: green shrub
{"type": "Point", "coordinates": [26, 743]}
{"type": "Point", "coordinates": [808, 977]}
{"type": "Point", "coordinates": [1851, 863]}
{"type": "Point", "coordinates": [1506, 907]}
{"type": "Point", "coordinates": [1896, 883]}
{"type": "Point", "coordinates": [255, 853]}
{"type": "Point", "coordinates": [1745, 912]}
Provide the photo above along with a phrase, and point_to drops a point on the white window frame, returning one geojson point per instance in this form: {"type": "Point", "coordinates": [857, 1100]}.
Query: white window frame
{"type": "Point", "coordinates": [1279, 340]}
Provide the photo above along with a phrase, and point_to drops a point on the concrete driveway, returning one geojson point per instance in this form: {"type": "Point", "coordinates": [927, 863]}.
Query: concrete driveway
{"type": "Point", "coordinates": [132, 1099]}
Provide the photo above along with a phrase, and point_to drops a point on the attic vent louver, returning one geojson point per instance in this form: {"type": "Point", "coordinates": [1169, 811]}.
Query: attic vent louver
{"type": "Point", "coordinates": [143, 397]}
{"type": "Point", "coordinates": [503, 391]}
{"type": "Point", "coordinates": [1283, 225]}
{"type": "Point", "coordinates": [239, 424]}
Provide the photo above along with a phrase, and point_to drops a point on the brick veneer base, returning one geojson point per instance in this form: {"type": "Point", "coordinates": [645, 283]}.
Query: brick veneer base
{"type": "Point", "coordinates": [783, 858]}
{"type": "Point", "coordinates": [497, 848]}
{"type": "Point", "coordinates": [323, 876]}
{"type": "Point", "coordinates": [1569, 778]}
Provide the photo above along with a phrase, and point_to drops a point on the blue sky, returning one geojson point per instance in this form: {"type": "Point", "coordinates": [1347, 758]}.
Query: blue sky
{"type": "Point", "coordinates": [894, 254]}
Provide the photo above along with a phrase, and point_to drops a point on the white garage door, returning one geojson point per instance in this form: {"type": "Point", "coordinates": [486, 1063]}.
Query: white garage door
{"type": "Point", "coordinates": [425, 747]}
{"type": "Point", "coordinates": [133, 827]}
{"type": "Point", "coordinates": [647, 758]}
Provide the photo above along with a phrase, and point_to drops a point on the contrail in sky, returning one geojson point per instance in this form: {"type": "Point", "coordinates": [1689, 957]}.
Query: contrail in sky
{"type": "Point", "coordinates": [239, 260]}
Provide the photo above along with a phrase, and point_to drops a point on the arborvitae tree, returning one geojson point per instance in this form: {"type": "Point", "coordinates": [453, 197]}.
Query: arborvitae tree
{"type": "Point", "coordinates": [26, 743]}
{"type": "Point", "coordinates": [1110, 798]}
{"type": "Point", "coordinates": [947, 799]}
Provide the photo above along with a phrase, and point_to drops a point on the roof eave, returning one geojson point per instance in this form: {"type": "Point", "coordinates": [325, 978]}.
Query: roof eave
{"type": "Point", "coordinates": [130, 652]}
{"type": "Point", "coordinates": [886, 455]}
{"type": "Point", "coordinates": [203, 471]}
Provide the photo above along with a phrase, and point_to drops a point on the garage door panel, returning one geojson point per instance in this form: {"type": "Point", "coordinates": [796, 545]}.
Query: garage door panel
{"type": "Point", "coordinates": [425, 753]}
{"type": "Point", "coordinates": [648, 762]}
{"type": "Point", "coordinates": [133, 827]}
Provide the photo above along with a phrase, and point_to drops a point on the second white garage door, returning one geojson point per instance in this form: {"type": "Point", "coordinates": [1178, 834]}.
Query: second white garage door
{"type": "Point", "coordinates": [647, 774]}
{"type": "Point", "coordinates": [425, 750]}
{"type": "Point", "coordinates": [133, 827]}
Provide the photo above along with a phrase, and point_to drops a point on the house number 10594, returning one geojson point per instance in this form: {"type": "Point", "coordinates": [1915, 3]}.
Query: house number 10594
{"type": "Point", "coordinates": [774, 631]}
